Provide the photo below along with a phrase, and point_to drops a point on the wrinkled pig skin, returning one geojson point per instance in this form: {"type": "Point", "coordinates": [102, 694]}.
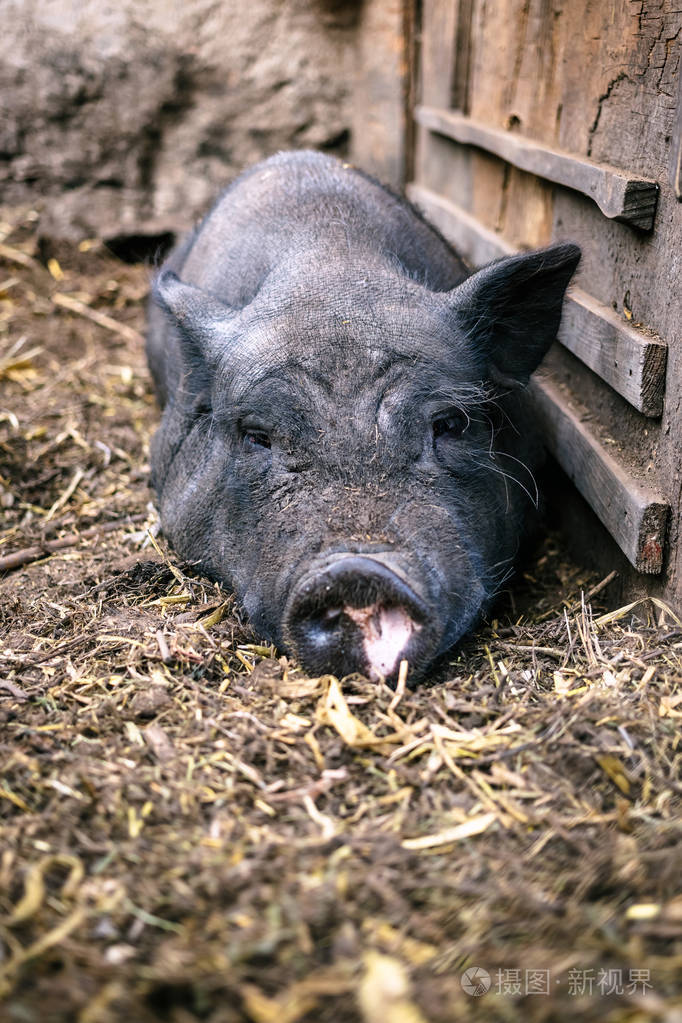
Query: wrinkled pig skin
{"type": "Point", "coordinates": [344, 441]}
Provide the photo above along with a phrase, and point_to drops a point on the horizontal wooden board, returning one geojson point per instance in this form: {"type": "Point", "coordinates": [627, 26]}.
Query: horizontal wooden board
{"type": "Point", "coordinates": [635, 516]}
{"type": "Point", "coordinates": [476, 244]}
{"type": "Point", "coordinates": [630, 361]}
{"type": "Point", "coordinates": [620, 196]}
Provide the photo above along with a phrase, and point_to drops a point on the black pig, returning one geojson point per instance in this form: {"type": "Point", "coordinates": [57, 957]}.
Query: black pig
{"type": "Point", "coordinates": [343, 442]}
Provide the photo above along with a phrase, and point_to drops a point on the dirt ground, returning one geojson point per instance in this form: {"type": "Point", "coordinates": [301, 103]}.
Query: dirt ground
{"type": "Point", "coordinates": [190, 829]}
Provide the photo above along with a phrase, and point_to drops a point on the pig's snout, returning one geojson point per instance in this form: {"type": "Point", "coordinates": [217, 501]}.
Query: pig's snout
{"type": "Point", "coordinates": [356, 613]}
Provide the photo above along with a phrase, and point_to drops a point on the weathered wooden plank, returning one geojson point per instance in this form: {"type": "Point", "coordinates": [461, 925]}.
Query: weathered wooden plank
{"type": "Point", "coordinates": [627, 359]}
{"type": "Point", "coordinates": [474, 242]}
{"type": "Point", "coordinates": [378, 122]}
{"type": "Point", "coordinates": [630, 361]}
{"type": "Point", "coordinates": [437, 52]}
{"type": "Point", "coordinates": [635, 516]}
{"type": "Point", "coordinates": [618, 195]}
{"type": "Point", "coordinates": [461, 78]}
{"type": "Point", "coordinates": [436, 45]}
{"type": "Point", "coordinates": [676, 146]}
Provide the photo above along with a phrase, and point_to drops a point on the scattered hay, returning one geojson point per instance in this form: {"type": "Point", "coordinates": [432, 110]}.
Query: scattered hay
{"type": "Point", "coordinates": [193, 830]}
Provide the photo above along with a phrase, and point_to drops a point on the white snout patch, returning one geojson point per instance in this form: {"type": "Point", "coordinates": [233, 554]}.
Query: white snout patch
{"type": "Point", "coordinates": [386, 632]}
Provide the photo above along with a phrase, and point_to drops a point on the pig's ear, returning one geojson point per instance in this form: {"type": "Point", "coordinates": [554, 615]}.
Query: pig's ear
{"type": "Point", "coordinates": [511, 309]}
{"type": "Point", "coordinates": [202, 319]}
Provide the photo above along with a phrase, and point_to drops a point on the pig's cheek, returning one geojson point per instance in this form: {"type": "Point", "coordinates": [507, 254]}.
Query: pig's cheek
{"type": "Point", "coordinates": [446, 539]}
{"type": "Point", "coordinates": [457, 580]}
{"type": "Point", "coordinates": [247, 527]}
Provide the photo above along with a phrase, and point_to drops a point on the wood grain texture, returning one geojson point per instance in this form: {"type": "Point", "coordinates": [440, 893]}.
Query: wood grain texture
{"type": "Point", "coordinates": [618, 195]}
{"type": "Point", "coordinates": [474, 242]}
{"type": "Point", "coordinates": [635, 516]}
{"type": "Point", "coordinates": [461, 78]}
{"type": "Point", "coordinates": [630, 361]}
{"type": "Point", "coordinates": [380, 83]}
{"type": "Point", "coordinates": [436, 44]}
{"type": "Point", "coordinates": [438, 31]}
{"type": "Point", "coordinates": [675, 165]}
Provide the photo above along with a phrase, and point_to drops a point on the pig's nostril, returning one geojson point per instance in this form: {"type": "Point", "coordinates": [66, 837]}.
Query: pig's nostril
{"type": "Point", "coordinates": [355, 614]}
{"type": "Point", "coordinates": [323, 637]}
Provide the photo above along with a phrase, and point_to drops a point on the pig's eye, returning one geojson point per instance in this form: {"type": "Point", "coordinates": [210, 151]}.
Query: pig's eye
{"type": "Point", "coordinates": [449, 426]}
{"type": "Point", "coordinates": [255, 438]}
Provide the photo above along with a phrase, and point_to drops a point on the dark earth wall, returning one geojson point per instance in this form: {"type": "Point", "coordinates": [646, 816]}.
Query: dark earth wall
{"type": "Point", "coordinates": [128, 117]}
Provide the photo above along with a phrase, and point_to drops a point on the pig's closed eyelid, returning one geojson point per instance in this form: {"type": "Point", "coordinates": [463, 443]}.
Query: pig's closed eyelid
{"type": "Point", "coordinates": [276, 415]}
{"type": "Point", "coordinates": [247, 418]}
{"type": "Point", "coordinates": [254, 426]}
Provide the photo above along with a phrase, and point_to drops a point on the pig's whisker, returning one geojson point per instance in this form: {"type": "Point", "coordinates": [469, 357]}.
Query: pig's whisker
{"type": "Point", "coordinates": [508, 476]}
{"type": "Point", "coordinates": [536, 499]}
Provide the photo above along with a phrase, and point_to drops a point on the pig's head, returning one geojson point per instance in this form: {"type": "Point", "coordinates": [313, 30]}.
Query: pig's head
{"type": "Point", "coordinates": [345, 454]}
